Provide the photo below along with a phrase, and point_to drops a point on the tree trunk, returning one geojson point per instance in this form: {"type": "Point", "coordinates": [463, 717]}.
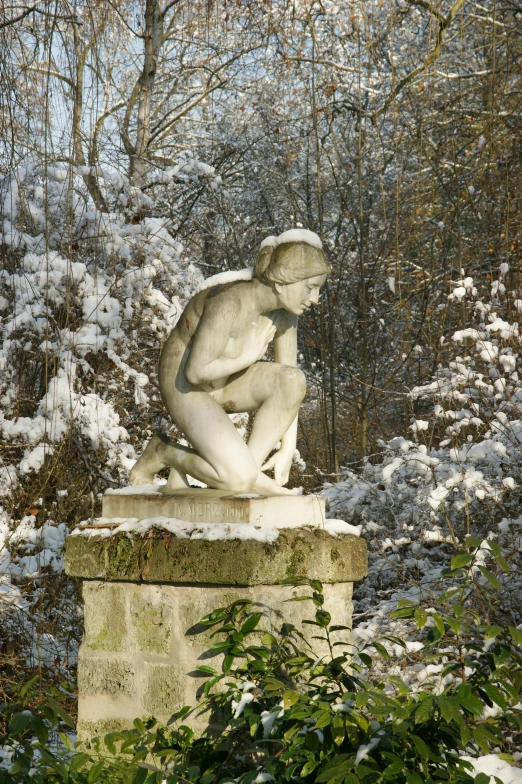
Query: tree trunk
{"type": "Point", "coordinates": [153, 39]}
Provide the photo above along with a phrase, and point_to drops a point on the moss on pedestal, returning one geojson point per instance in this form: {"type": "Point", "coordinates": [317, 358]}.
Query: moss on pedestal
{"type": "Point", "coordinates": [163, 558]}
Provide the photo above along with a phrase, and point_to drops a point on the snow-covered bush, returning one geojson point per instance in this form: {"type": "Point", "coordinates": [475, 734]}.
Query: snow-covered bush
{"type": "Point", "coordinates": [86, 299]}
{"type": "Point", "coordinates": [457, 474]}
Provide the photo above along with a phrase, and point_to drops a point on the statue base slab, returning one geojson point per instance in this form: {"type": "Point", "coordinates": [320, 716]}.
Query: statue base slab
{"type": "Point", "coordinates": [198, 505]}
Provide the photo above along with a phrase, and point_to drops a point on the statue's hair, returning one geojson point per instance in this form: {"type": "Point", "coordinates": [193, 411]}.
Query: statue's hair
{"type": "Point", "coordinates": [289, 262]}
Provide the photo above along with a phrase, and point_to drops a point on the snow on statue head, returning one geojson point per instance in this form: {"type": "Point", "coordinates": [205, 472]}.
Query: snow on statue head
{"type": "Point", "coordinates": [293, 256]}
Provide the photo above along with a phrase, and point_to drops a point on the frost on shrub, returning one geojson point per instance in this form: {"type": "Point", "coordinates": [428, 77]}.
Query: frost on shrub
{"type": "Point", "coordinates": [456, 473]}
{"type": "Point", "coordinates": [86, 299]}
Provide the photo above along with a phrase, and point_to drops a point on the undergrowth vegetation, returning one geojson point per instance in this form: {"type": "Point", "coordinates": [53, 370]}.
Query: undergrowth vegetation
{"type": "Point", "coordinates": [345, 717]}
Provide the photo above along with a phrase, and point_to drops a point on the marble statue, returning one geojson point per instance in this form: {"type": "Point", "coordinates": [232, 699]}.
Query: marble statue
{"type": "Point", "coordinates": [211, 365]}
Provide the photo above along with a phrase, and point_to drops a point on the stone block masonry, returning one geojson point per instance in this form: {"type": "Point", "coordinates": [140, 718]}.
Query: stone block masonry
{"type": "Point", "coordinates": [144, 597]}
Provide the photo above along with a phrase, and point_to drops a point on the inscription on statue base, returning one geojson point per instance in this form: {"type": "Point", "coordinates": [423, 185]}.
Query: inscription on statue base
{"type": "Point", "coordinates": [215, 506]}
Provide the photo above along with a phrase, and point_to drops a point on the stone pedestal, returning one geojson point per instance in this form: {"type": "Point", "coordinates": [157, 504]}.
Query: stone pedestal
{"type": "Point", "coordinates": [144, 596]}
{"type": "Point", "coordinates": [203, 505]}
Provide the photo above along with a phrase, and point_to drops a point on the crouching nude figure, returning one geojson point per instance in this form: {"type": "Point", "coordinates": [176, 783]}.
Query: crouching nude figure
{"type": "Point", "coordinates": [210, 367]}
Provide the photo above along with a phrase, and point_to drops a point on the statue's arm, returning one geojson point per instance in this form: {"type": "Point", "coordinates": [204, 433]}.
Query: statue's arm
{"type": "Point", "coordinates": [285, 341]}
{"type": "Point", "coordinates": [205, 362]}
{"type": "Point", "coordinates": [285, 352]}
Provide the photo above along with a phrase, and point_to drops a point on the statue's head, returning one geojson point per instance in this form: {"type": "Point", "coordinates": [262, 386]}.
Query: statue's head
{"type": "Point", "coordinates": [295, 266]}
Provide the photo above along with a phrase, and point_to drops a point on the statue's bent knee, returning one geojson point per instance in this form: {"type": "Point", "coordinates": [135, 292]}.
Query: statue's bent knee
{"type": "Point", "coordinates": [292, 382]}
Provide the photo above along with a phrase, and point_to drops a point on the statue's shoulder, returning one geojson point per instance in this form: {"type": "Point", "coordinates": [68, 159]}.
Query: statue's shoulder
{"type": "Point", "coordinates": [222, 288]}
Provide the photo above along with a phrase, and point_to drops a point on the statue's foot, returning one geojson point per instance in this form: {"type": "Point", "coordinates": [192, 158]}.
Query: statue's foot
{"type": "Point", "coordinates": [148, 465]}
{"type": "Point", "coordinates": [177, 481]}
{"type": "Point", "coordinates": [284, 491]}
{"type": "Point", "coordinates": [267, 486]}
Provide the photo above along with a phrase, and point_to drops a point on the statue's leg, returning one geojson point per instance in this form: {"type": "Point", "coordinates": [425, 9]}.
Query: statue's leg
{"type": "Point", "coordinates": [177, 480]}
{"type": "Point", "coordinates": [220, 457]}
{"type": "Point", "coordinates": [148, 465]}
{"type": "Point", "coordinates": [151, 462]}
{"type": "Point", "coordinates": [276, 391]}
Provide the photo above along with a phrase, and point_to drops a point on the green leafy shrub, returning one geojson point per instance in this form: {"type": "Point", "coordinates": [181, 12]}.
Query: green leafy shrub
{"type": "Point", "coordinates": [337, 719]}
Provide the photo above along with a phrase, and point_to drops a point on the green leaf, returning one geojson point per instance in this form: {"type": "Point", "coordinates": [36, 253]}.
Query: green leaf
{"type": "Point", "coordinates": [323, 719]}
{"type": "Point", "coordinates": [273, 684]}
{"type": "Point", "coordinates": [95, 771]}
{"type": "Point", "coordinates": [404, 612]}
{"type": "Point", "coordinates": [503, 563]}
{"type": "Point", "coordinates": [465, 734]}
{"type": "Point", "coordinates": [19, 722]}
{"type": "Point", "coordinates": [340, 764]}
{"type": "Point", "coordinates": [25, 688]}
{"type": "Point", "coordinates": [323, 618]}
{"type": "Point", "coordinates": [497, 554]}
{"type": "Point", "coordinates": [490, 632]}
{"type": "Point", "coordinates": [361, 698]}
{"type": "Point", "coordinates": [289, 734]}
{"type": "Point", "coordinates": [290, 698]}
{"type": "Point", "coordinates": [309, 767]}
{"type": "Point", "coordinates": [210, 684]}
{"type": "Point", "coordinates": [251, 622]}
{"type": "Point", "coordinates": [206, 669]}
{"type": "Point", "coordinates": [110, 744]}
{"type": "Point", "coordinates": [454, 626]}
{"type": "Point", "coordinates": [40, 729]}
{"type": "Point", "coordinates": [367, 660]}
{"type": "Point", "coordinates": [446, 709]}
{"type": "Point", "coordinates": [461, 559]}
{"type": "Point", "coordinates": [423, 711]}
{"type": "Point", "coordinates": [382, 650]}
{"type": "Point", "coordinates": [482, 778]}
{"type": "Point", "coordinates": [439, 623]}
{"type": "Point", "coordinates": [214, 617]}
{"type": "Point", "coordinates": [481, 740]}
{"type": "Point", "coordinates": [268, 639]}
{"type": "Point", "coordinates": [338, 730]}
{"type": "Point", "coordinates": [422, 749]}
{"type": "Point", "coordinates": [468, 700]}
{"type": "Point", "coordinates": [165, 753]}
{"type": "Point", "coordinates": [59, 711]}
{"type": "Point", "coordinates": [219, 647]}
{"type": "Point", "coordinates": [413, 778]}
{"type": "Point", "coordinates": [492, 580]}
{"type": "Point", "coordinates": [421, 617]}
{"type": "Point", "coordinates": [509, 758]}
{"type": "Point", "coordinates": [139, 725]}
{"type": "Point", "coordinates": [140, 776]}
{"type": "Point", "coordinates": [472, 541]}
{"type": "Point", "coordinates": [516, 634]}
{"type": "Point", "coordinates": [228, 661]}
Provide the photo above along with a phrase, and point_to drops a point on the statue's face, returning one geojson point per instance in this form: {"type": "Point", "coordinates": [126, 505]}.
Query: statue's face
{"type": "Point", "coordinates": [297, 297]}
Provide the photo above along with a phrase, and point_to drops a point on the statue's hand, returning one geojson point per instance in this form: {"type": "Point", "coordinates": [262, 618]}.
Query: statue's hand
{"type": "Point", "coordinates": [281, 463]}
{"type": "Point", "coordinates": [257, 340]}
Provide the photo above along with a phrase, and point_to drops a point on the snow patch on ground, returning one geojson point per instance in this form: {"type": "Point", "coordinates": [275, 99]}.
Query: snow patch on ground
{"type": "Point", "coordinates": [491, 765]}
